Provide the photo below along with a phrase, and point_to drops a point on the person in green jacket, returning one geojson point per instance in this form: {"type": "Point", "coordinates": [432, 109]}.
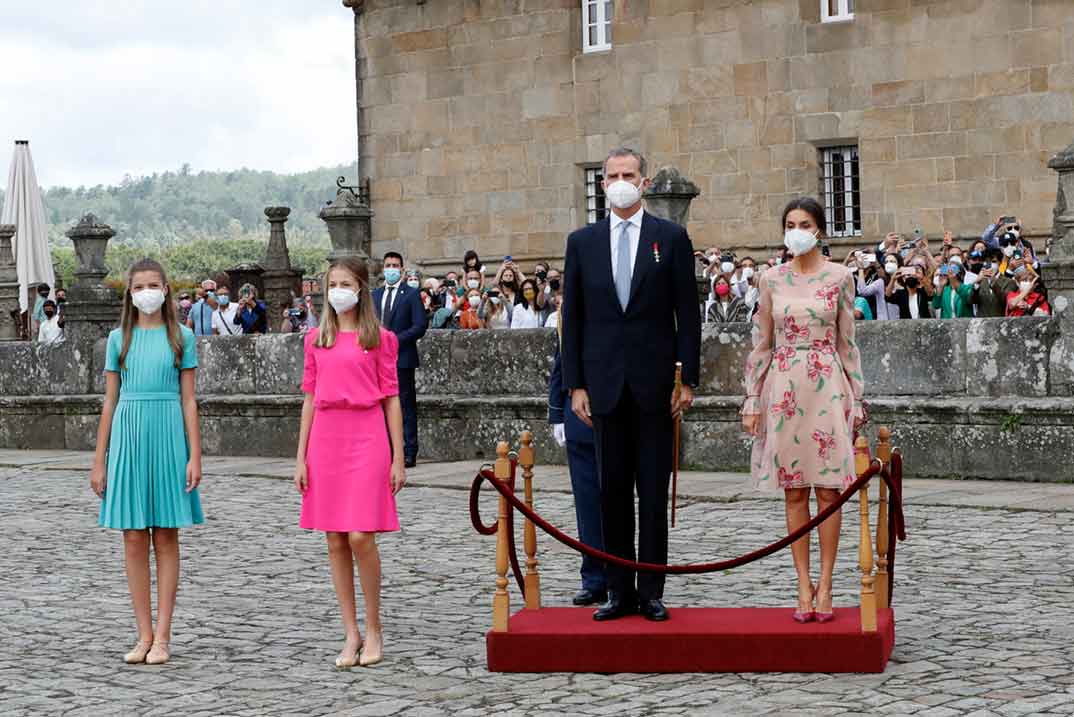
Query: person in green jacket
{"type": "Point", "coordinates": [953, 299]}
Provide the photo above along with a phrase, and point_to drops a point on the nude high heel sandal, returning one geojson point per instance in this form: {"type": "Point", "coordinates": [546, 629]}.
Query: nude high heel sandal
{"type": "Point", "coordinates": [159, 654]}
{"type": "Point", "coordinates": [344, 662]}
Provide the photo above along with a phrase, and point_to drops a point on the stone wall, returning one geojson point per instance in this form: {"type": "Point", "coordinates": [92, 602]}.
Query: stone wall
{"type": "Point", "coordinates": [983, 398]}
{"type": "Point", "coordinates": [478, 117]}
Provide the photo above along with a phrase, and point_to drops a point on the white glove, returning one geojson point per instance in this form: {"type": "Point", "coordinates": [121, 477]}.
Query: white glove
{"type": "Point", "coordinates": [559, 432]}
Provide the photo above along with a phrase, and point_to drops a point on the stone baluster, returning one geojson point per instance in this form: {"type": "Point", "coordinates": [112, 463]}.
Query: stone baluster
{"type": "Point", "coordinates": [865, 547]}
{"type": "Point", "coordinates": [92, 309]}
{"type": "Point", "coordinates": [526, 459]}
{"type": "Point", "coordinates": [350, 224]}
{"type": "Point", "coordinates": [9, 286]}
{"type": "Point", "coordinates": [669, 195]}
{"type": "Point", "coordinates": [883, 452]}
{"type": "Point", "coordinates": [501, 601]}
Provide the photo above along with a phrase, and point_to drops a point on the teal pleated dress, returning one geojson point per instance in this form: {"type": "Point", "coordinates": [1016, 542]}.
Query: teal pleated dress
{"type": "Point", "coordinates": [148, 449]}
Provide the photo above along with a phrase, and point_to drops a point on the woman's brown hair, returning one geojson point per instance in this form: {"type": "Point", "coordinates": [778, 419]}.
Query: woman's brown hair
{"type": "Point", "coordinates": [129, 317]}
{"type": "Point", "coordinates": [368, 326]}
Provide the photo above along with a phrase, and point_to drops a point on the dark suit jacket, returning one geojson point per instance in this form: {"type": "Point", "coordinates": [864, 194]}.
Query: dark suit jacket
{"type": "Point", "coordinates": [408, 322]}
{"type": "Point", "coordinates": [559, 409]}
{"type": "Point", "coordinates": [901, 297]}
{"type": "Point", "coordinates": [606, 348]}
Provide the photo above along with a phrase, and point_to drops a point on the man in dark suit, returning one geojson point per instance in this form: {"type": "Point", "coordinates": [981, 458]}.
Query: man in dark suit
{"type": "Point", "coordinates": [569, 431]}
{"type": "Point", "coordinates": [399, 309]}
{"type": "Point", "coordinates": [630, 311]}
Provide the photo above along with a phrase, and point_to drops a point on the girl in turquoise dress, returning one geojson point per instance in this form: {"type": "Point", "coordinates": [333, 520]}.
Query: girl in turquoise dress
{"type": "Point", "coordinates": [148, 462]}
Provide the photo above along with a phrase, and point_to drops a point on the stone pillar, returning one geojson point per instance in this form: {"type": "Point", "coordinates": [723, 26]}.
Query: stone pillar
{"type": "Point", "coordinates": [281, 282]}
{"type": "Point", "coordinates": [349, 221]}
{"type": "Point", "coordinates": [1059, 267]}
{"type": "Point", "coordinates": [670, 194]}
{"type": "Point", "coordinates": [9, 286]}
{"type": "Point", "coordinates": [92, 308]}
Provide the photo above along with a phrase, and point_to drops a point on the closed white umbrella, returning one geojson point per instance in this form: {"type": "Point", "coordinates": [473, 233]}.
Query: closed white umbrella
{"type": "Point", "coordinates": [23, 208]}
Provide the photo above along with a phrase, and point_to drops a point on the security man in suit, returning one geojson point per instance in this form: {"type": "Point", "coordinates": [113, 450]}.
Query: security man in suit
{"type": "Point", "coordinates": [569, 430]}
{"type": "Point", "coordinates": [399, 309]}
{"type": "Point", "coordinates": [630, 312]}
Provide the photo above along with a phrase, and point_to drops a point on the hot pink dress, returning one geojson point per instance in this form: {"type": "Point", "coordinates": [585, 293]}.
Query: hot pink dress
{"type": "Point", "coordinates": [348, 458]}
{"type": "Point", "coordinates": [804, 378]}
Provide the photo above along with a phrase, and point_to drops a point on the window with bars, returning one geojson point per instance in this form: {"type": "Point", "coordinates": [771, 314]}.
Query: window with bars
{"type": "Point", "coordinates": [841, 185]}
{"type": "Point", "coordinates": [596, 25]}
{"type": "Point", "coordinates": [836, 10]}
{"type": "Point", "coordinates": [596, 207]}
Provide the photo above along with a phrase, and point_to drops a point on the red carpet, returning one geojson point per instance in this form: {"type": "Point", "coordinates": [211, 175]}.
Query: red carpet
{"type": "Point", "coordinates": [567, 639]}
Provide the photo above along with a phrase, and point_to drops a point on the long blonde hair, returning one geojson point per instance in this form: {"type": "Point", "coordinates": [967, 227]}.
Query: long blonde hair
{"type": "Point", "coordinates": [129, 317]}
{"type": "Point", "coordinates": [368, 326]}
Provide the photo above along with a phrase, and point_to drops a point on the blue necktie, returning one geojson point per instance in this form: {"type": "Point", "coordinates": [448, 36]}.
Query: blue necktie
{"type": "Point", "coordinates": [622, 267]}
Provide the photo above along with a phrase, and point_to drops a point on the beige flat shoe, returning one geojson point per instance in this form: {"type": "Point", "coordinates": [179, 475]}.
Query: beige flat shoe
{"type": "Point", "coordinates": [159, 654]}
{"type": "Point", "coordinates": [345, 662]}
{"type": "Point", "coordinates": [137, 655]}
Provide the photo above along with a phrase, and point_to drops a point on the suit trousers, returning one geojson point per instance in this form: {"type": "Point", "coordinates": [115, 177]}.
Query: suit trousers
{"type": "Point", "coordinates": [408, 397]}
{"type": "Point", "coordinates": [634, 453]}
{"type": "Point", "coordinates": [585, 485]}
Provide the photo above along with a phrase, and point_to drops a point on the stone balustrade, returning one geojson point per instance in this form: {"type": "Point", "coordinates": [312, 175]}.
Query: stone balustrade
{"type": "Point", "coordinates": [983, 398]}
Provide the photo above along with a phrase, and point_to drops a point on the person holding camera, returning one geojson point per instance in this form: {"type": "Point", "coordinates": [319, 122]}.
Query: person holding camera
{"type": "Point", "coordinates": [493, 311]}
{"type": "Point", "coordinates": [509, 281]}
{"type": "Point", "coordinates": [993, 286]}
{"type": "Point", "coordinates": [253, 314]}
{"type": "Point", "coordinates": [954, 299]}
{"type": "Point", "coordinates": [870, 282]}
{"type": "Point", "coordinates": [906, 290]}
{"type": "Point", "coordinates": [1031, 296]}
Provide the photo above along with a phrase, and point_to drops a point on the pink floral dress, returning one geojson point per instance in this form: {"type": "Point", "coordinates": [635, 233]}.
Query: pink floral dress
{"type": "Point", "coordinates": [804, 378]}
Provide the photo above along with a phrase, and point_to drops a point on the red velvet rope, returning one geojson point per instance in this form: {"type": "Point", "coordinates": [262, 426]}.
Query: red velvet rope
{"type": "Point", "coordinates": [475, 519]}
{"type": "Point", "coordinates": [896, 523]}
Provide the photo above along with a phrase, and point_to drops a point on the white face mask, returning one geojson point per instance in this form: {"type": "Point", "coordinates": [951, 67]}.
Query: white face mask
{"type": "Point", "coordinates": [799, 241]}
{"type": "Point", "coordinates": [495, 300]}
{"type": "Point", "coordinates": [727, 267]}
{"type": "Point", "coordinates": [747, 273]}
{"type": "Point", "coordinates": [148, 301]}
{"type": "Point", "coordinates": [475, 301]}
{"type": "Point", "coordinates": [1026, 286]}
{"type": "Point", "coordinates": [956, 259]}
{"type": "Point", "coordinates": [1008, 251]}
{"type": "Point", "coordinates": [413, 283]}
{"type": "Point", "coordinates": [891, 268]}
{"type": "Point", "coordinates": [472, 284]}
{"type": "Point", "coordinates": [622, 194]}
{"type": "Point", "coordinates": [342, 300]}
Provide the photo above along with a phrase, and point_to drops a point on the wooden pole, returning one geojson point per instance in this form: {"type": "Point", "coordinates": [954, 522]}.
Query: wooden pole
{"type": "Point", "coordinates": [865, 547]}
{"type": "Point", "coordinates": [526, 459]}
{"type": "Point", "coordinates": [883, 452]}
{"type": "Point", "coordinates": [501, 601]}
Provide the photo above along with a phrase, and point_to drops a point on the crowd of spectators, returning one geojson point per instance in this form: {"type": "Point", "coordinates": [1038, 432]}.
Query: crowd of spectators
{"type": "Point", "coordinates": [998, 274]}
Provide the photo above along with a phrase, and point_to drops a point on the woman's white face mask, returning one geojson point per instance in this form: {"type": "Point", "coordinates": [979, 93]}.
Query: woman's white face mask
{"type": "Point", "coordinates": [799, 241]}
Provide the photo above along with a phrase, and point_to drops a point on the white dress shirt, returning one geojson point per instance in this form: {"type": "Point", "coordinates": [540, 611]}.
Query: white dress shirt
{"type": "Point", "coordinates": [49, 331]}
{"type": "Point", "coordinates": [634, 232]}
{"type": "Point", "coordinates": [394, 288]}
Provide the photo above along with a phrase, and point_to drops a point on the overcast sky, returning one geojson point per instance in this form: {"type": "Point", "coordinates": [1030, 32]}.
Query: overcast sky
{"type": "Point", "coordinates": [111, 87]}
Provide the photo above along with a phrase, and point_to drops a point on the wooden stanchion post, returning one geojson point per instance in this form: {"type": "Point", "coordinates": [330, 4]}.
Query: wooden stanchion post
{"type": "Point", "coordinates": [865, 548]}
{"type": "Point", "coordinates": [526, 459]}
{"type": "Point", "coordinates": [883, 452]}
{"type": "Point", "coordinates": [501, 601]}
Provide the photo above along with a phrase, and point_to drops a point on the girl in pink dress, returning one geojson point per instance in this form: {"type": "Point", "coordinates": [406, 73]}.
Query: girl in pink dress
{"type": "Point", "coordinates": [804, 389]}
{"type": "Point", "coordinates": [347, 469]}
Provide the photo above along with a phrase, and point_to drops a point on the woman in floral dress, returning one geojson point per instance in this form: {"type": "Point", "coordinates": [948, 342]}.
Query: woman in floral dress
{"type": "Point", "coordinates": [804, 389]}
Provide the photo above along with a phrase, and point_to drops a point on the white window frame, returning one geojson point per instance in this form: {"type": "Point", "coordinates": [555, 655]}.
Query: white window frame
{"type": "Point", "coordinates": [603, 26]}
{"type": "Point", "coordinates": [840, 195]}
{"type": "Point", "coordinates": [596, 205]}
{"type": "Point", "coordinates": [845, 11]}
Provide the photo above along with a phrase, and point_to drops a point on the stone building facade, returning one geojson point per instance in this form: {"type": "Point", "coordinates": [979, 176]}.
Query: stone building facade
{"type": "Point", "coordinates": [480, 120]}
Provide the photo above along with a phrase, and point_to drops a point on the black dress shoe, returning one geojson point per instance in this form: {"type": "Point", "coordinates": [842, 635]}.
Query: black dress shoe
{"type": "Point", "coordinates": [616, 607]}
{"type": "Point", "coordinates": [653, 610]}
{"type": "Point", "coordinates": [410, 462]}
{"type": "Point", "coordinates": [585, 596]}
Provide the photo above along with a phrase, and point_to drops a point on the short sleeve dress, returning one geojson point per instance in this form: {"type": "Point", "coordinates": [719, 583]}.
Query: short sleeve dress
{"type": "Point", "coordinates": [349, 457]}
{"type": "Point", "coordinates": [804, 378]}
{"type": "Point", "coordinates": [148, 449]}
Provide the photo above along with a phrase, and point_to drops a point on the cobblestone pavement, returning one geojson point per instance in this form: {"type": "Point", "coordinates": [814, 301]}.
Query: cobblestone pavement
{"type": "Point", "coordinates": [983, 603]}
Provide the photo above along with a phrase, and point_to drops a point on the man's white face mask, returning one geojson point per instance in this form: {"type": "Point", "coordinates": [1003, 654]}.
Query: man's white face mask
{"type": "Point", "coordinates": [622, 194]}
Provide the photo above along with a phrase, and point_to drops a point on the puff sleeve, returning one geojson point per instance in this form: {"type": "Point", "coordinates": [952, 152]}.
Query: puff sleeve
{"type": "Point", "coordinates": [309, 364]}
